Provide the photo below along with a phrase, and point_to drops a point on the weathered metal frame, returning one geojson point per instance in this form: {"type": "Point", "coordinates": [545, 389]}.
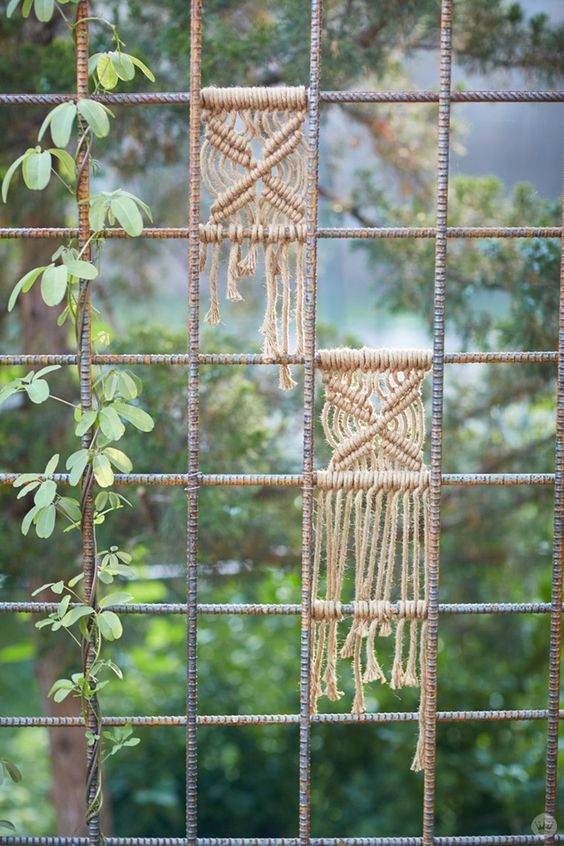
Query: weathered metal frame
{"type": "Point", "coordinates": [192, 480]}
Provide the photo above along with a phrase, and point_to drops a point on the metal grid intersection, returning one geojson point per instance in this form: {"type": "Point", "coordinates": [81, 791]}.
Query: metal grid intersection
{"type": "Point", "coordinates": [192, 480]}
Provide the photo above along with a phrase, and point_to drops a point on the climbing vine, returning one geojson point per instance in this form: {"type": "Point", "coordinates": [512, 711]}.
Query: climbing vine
{"type": "Point", "coordinates": [89, 618]}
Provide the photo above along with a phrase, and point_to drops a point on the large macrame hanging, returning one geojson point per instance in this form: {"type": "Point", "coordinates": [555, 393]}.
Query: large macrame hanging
{"type": "Point", "coordinates": [371, 512]}
{"type": "Point", "coordinates": [253, 166]}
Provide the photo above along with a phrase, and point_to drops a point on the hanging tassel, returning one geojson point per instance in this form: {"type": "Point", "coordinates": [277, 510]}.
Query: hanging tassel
{"type": "Point", "coordinates": [299, 314]}
{"type": "Point", "coordinates": [269, 328]}
{"type": "Point", "coordinates": [248, 265]}
{"type": "Point", "coordinates": [418, 762]}
{"type": "Point", "coordinates": [213, 315]}
{"type": "Point", "coordinates": [233, 273]}
{"type": "Point", "coordinates": [396, 680]}
{"type": "Point", "coordinates": [374, 671]}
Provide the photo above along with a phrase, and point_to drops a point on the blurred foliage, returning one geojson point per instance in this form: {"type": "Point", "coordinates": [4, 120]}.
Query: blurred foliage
{"type": "Point", "coordinates": [496, 544]}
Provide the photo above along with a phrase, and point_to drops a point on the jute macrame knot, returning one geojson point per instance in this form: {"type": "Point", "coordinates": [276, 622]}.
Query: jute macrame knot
{"type": "Point", "coordinates": [258, 201]}
{"type": "Point", "coordinates": [371, 509]}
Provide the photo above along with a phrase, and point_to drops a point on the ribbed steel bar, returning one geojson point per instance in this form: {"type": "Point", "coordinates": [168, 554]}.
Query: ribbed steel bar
{"type": "Point", "coordinates": [382, 717]}
{"type": "Point", "coordinates": [554, 661]}
{"type": "Point", "coordinates": [310, 302]}
{"type": "Point", "coordinates": [181, 98]}
{"type": "Point", "coordinates": [193, 423]}
{"type": "Point", "coordinates": [93, 774]}
{"type": "Point", "coordinates": [429, 680]}
{"type": "Point", "coordinates": [251, 359]}
{"type": "Point", "coordinates": [275, 610]}
{"type": "Point", "coordinates": [459, 840]}
{"type": "Point", "coordinates": [182, 233]}
{"type": "Point", "coordinates": [290, 480]}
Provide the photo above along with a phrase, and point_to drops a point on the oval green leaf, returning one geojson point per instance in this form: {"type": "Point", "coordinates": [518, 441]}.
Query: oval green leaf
{"type": "Point", "coordinates": [54, 284]}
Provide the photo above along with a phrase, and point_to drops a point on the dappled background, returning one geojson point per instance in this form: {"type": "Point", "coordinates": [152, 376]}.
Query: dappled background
{"type": "Point", "coordinates": [377, 169]}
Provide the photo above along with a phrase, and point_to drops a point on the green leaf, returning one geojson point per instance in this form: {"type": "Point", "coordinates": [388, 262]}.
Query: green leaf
{"type": "Point", "coordinates": [103, 472]}
{"type": "Point", "coordinates": [58, 588]}
{"type": "Point", "coordinates": [51, 465]}
{"type": "Point", "coordinates": [75, 614]}
{"type": "Point", "coordinates": [60, 120]}
{"type": "Point", "coordinates": [82, 269]}
{"type": "Point", "coordinates": [71, 508]}
{"type": "Point", "coordinates": [119, 459]}
{"type": "Point", "coordinates": [8, 176]}
{"type": "Point", "coordinates": [109, 625]}
{"type": "Point", "coordinates": [42, 588]}
{"type": "Point", "coordinates": [143, 68]}
{"type": "Point", "coordinates": [37, 391]}
{"type": "Point", "coordinates": [111, 599]}
{"type": "Point", "coordinates": [123, 65]}
{"type": "Point", "coordinates": [46, 493]}
{"type": "Point", "coordinates": [13, 771]}
{"type": "Point", "coordinates": [10, 9]}
{"type": "Point", "coordinates": [76, 464]}
{"type": "Point", "coordinates": [44, 10]}
{"type": "Point", "coordinates": [111, 425]}
{"type": "Point", "coordinates": [28, 489]}
{"type": "Point", "coordinates": [45, 522]}
{"type": "Point", "coordinates": [24, 284]}
{"type": "Point", "coordinates": [54, 284]}
{"type": "Point", "coordinates": [67, 164]}
{"type": "Point", "coordinates": [111, 384]}
{"type": "Point", "coordinates": [139, 418]}
{"type": "Point", "coordinates": [96, 116]}
{"type": "Point", "coordinates": [127, 386]}
{"type": "Point", "coordinates": [28, 519]}
{"type": "Point", "coordinates": [36, 170]}
{"type": "Point", "coordinates": [26, 8]}
{"type": "Point", "coordinates": [106, 72]}
{"type": "Point", "coordinates": [98, 211]}
{"type": "Point", "coordinates": [76, 579]}
{"type": "Point", "coordinates": [87, 420]}
{"type": "Point", "coordinates": [7, 824]}
{"type": "Point", "coordinates": [128, 215]}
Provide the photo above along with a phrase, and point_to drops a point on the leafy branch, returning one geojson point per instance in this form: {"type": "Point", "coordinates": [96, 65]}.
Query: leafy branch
{"type": "Point", "coordinates": [89, 620]}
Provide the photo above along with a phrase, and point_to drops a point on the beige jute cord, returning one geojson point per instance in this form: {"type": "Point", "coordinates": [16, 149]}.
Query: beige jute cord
{"type": "Point", "coordinates": [372, 511]}
{"type": "Point", "coordinates": [258, 199]}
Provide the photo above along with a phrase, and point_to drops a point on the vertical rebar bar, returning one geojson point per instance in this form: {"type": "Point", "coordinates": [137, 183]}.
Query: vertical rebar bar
{"type": "Point", "coordinates": [430, 694]}
{"type": "Point", "coordinates": [310, 292]}
{"type": "Point", "coordinates": [551, 786]}
{"type": "Point", "coordinates": [93, 785]}
{"type": "Point", "coordinates": [193, 421]}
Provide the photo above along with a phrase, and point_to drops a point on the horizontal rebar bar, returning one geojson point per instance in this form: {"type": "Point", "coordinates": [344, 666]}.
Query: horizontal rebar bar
{"type": "Point", "coordinates": [181, 233]}
{"type": "Point", "coordinates": [181, 360]}
{"type": "Point", "coordinates": [275, 610]}
{"type": "Point", "coordinates": [291, 480]}
{"type": "Point", "coordinates": [181, 98]}
{"type": "Point", "coordinates": [454, 840]}
{"type": "Point", "coordinates": [280, 719]}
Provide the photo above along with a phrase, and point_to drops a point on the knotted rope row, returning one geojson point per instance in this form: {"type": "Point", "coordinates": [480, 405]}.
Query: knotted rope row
{"type": "Point", "coordinates": [257, 200]}
{"type": "Point", "coordinates": [371, 507]}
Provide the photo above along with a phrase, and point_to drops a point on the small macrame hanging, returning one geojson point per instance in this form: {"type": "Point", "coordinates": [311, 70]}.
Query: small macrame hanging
{"type": "Point", "coordinates": [253, 165]}
{"type": "Point", "coordinates": [371, 510]}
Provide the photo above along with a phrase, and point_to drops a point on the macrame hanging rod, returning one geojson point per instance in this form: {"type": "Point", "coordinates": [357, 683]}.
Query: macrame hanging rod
{"type": "Point", "coordinates": [253, 165]}
{"type": "Point", "coordinates": [371, 511]}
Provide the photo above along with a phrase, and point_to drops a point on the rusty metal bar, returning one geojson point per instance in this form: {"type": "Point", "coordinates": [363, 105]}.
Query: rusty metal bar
{"type": "Point", "coordinates": [429, 681]}
{"type": "Point", "coordinates": [182, 233]}
{"type": "Point", "coordinates": [295, 480]}
{"type": "Point", "coordinates": [551, 782]}
{"type": "Point", "coordinates": [249, 359]}
{"type": "Point", "coordinates": [310, 302]}
{"type": "Point", "coordinates": [181, 98]}
{"type": "Point", "coordinates": [193, 423]}
{"type": "Point", "coordinates": [383, 717]}
{"type": "Point", "coordinates": [458, 840]}
{"type": "Point", "coordinates": [93, 774]}
{"type": "Point", "coordinates": [276, 610]}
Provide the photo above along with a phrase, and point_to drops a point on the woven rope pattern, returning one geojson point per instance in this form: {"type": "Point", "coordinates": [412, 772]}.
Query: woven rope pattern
{"type": "Point", "coordinates": [253, 166]}
{"type": "Point", "coordinates": [371, 512]}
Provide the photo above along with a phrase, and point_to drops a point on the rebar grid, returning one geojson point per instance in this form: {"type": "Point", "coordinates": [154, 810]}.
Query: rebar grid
{"type": "Point", "coordinates": [193, 479]}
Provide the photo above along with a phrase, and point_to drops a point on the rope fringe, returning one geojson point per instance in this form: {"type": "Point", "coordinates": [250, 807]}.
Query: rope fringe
{"type": "Point", "coordinates": [258, 201]}
{"type": "Point", "coordinates": [371, 505]}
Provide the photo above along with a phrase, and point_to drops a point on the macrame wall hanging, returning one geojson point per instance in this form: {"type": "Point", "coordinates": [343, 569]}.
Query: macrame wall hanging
{"type": "Point", "coordinates": [253, 165]}
{"type": "Point", "coordinates": [371, 511]}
